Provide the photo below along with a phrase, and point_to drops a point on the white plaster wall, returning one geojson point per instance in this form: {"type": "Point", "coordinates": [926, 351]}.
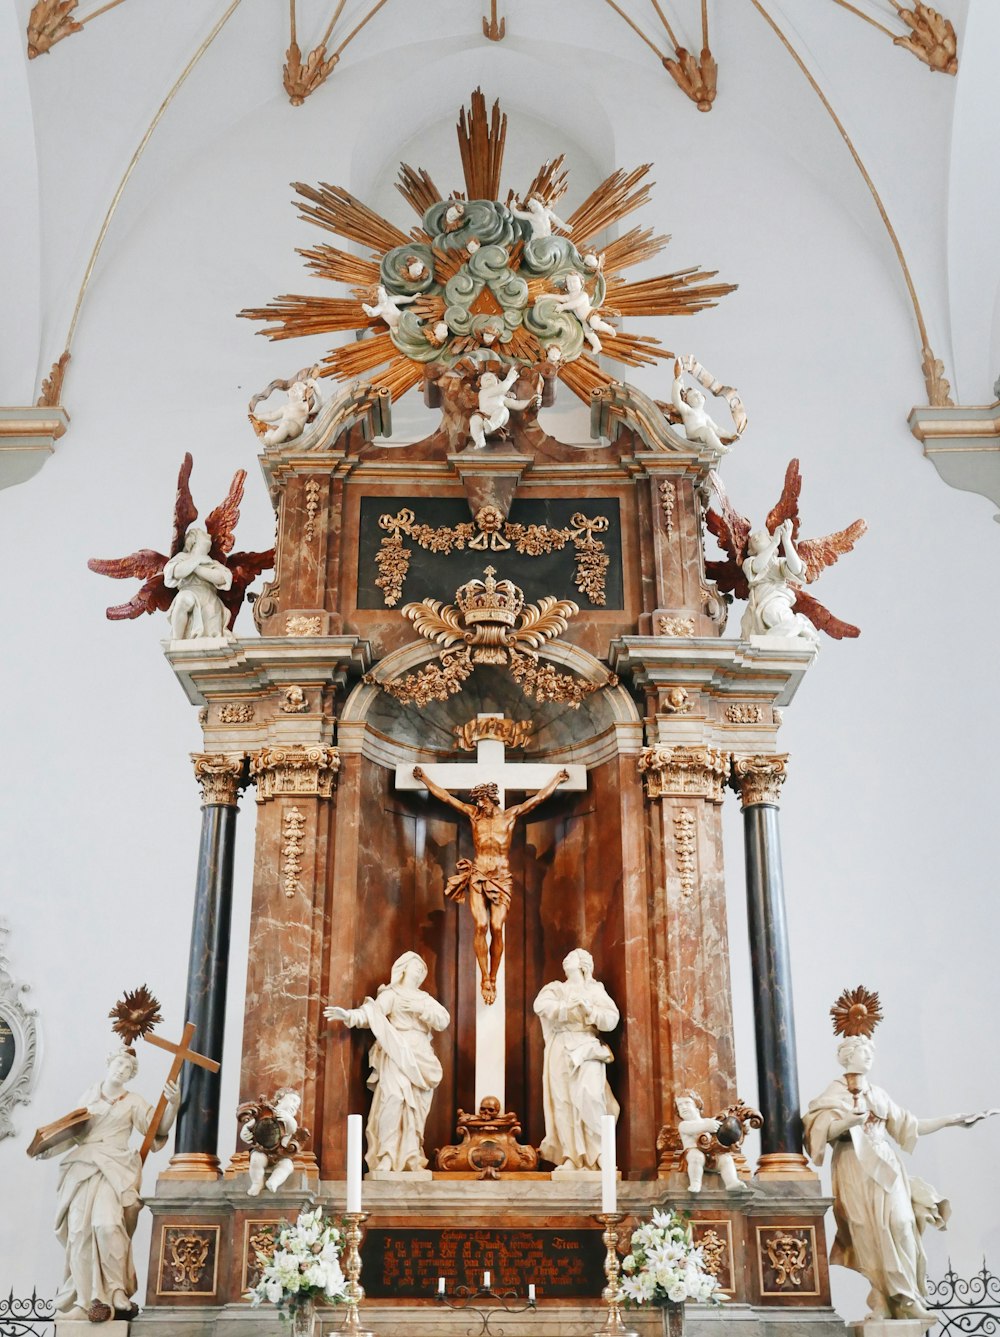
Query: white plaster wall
{"type": "Point", "coordinates": [889, 811]}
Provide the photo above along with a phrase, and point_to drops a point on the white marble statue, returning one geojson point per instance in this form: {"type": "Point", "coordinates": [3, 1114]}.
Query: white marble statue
{"type": "Point", "coordinates": [495, 405]}
{"type": "Point", "coordinates": [286, 1108]}
{"type": "Point", "coordinates": [774, 582]}
{"type": "Point", "coordinates": [577, 301]}
{"type": "Point", "coordinates": [880, 1212]}
{"type": "Point", "coordinates": [196, 610]}
{"type": "Point", "coordinates": [575, 1090]}
{"type": "Point", "coordinates": [690, 404]}
{"type": "Point", "coordinates": [691, 1125]}
{"type": "Point", "coordinates": [303, 403]}
{"type": "Point", "coordinates": [405, 1071]}
{"type": "Point", "coordinates": [541, 217]}
{"type": "Point", "coordinates": [98, 1202]}
{"type": "Point", "coordinates": [387, 307]}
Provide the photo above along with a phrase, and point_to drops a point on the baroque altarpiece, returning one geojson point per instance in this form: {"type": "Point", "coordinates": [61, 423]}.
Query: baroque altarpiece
{"type": "Point", "coordinates": [489, 604]}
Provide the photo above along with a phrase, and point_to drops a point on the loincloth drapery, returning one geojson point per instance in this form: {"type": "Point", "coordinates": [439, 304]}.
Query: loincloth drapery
{"type": "Point", "coordinates": [496, 890]}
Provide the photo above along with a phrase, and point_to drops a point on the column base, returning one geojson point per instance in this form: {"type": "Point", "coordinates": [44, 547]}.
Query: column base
{"type": "Point", "coordinates": [192, 1165]}
{"type": "Point", "coordinates": [784, 1165]}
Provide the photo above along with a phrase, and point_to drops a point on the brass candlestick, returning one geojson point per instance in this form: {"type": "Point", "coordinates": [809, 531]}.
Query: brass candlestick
{"type": "Point", "coordinates": [612, 1270]}
{"type": "Point", "coordinates": [352, 1271]}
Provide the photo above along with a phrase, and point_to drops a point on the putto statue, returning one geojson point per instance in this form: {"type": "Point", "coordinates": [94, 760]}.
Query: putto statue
{"type": "Point", "coordinates": [289, 421]}
{"type": "Point", "coordinates": [270, 1129]}
{"type": "Point", "coordinates": [201, 583]}
{"type": "Point", "coordinates": [578, 302]}
{"type": "Point", "coordinates": [575, 1089]}
{"type": "Point", "coordinates": [690, 405]}
{"type": "Point", "coordinates": [768, 567]}
{"type": "Point", "coordinates": [387, 306]}
{"type": "Point", "coordinates": [880, 1212]}
{"type": "Point", "coordinates": [540, 216]}
{"type": "Point", "coordinates": [709, 1143]}
{"type": "Point", "coordinates": [494, 405]}
{"type": "Point", "coordinates": [99, 1182]}
{"type": "Point", "coordinates": [405, 1071]}
{"type": "Point", "coordinates": [486, 879]}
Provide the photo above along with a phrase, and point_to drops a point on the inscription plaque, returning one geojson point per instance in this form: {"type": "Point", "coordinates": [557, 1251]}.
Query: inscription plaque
{"type": "Point", "coordinates": [405, 1264]}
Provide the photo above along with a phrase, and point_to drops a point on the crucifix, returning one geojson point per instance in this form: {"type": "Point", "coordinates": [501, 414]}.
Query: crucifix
{"type": "Point", "coordinates": [182, 1053]}
{"type": "Point", "coordinates": [485, 879]}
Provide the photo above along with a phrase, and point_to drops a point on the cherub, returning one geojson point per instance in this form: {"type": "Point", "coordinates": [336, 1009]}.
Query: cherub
{"type": "Point", "coordinates": [157, 593]}
{"type": "Point", "coordinates": [495, 404]}
{"type": "Point", "coordinates": [577, 301]}
{"type": "Point", "coordinates": [454, 216]}
{"type": "Point", "coordinates": [698, 426]}
{"type": "Point", "coordinates": [271, 1130]}
{"type": "Point", "coordinates": [197, 610]}
{"type": "Point", "coordinates": [387, 307]}
{"type": "Point", "coordinates": [693, 1127]}
{"type": "Point", "coordinates": [771, 584]}
{"type": "Point", "coordinates": [541, 216]}
{"type": "Point", "coordinates": [303, 404]}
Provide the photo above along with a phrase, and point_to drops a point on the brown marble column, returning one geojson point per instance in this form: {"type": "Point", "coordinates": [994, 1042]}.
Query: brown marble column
{"type": "Point", "coordinates": [285, 971]}
{"type": "Point", "coordinates": [695, 1025]}
{"type": "Point", "coordinates": [220, 775]}
{"type": "Point", "coordinates": [759, 780]}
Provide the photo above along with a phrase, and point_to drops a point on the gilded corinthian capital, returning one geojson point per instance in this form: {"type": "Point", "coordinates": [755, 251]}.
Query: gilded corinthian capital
{"type": "Point", "coordinates": [220, 775]}
{"type": "Point", "coordinates": [294, 770]}
{"type": "Point", "coordinates": [759, 779]}
{"type": "Point", "coordinates": [684, 771]}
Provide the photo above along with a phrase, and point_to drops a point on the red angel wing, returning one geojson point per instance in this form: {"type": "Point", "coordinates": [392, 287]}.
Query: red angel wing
{"type": "Point", "coordinates": [788, 503]}
{"type": "Point", "coordinates": [221, 524]}
{"type": "Point", "coordinates": [821, 553]}
{"type": "Point", "coordinates": [821, 617]}
{"type": "Point", "coordinates": [246, 567]}
{"type": "Point", "coordinates": [144, 565]}
{"type": "Point", "coordinates": [732, 531]}
{"type": "Point", "coordinates": [185, 511]}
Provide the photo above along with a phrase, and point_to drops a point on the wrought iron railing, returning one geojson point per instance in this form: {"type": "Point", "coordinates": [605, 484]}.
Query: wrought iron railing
{"type": "Point", "coordinates": [966, 1306]}
{"type": "Point", "coordinates": [26, 1317]}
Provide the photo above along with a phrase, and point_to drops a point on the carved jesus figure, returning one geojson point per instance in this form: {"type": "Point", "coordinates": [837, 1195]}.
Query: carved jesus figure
{"type": "Point", "coordinates": [486, 878]}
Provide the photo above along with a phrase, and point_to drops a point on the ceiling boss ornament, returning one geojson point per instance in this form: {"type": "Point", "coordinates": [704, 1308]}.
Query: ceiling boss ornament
{"type": "Point", "coordinates": [486, 283]}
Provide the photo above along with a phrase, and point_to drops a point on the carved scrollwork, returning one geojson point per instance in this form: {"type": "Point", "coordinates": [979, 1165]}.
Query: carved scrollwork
{"type": "Point", "coordinates": [19, 1042]}
{"type": "Point", "coordinates": [220, 777]}
{"type": "Point", "coordinates": [759, 779]}
{"type": "Point", "coordinates": [684, 771]}
{"type": "Point", "coordinates": [305, 771]}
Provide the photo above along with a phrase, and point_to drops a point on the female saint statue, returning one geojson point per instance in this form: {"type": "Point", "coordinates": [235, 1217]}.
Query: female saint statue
{"type": "Point", "coordinates": [405, 1071]}
{"type": "Point", "coordinates": [98, 1204]}
{"type": "Point", "coordinates": [575, 1088]}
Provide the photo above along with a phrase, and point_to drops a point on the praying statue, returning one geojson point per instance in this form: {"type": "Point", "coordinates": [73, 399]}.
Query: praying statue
{"type": "Point", "coordinates": [196, 609]}
{"type": "Point", "coordinates": [575, 1090]}
{"type": "Point", "coordinates": [774, 582]}
{"type": "Point", "coordinates": [880, 1212]}
{"type": "Point", "coordinates": [98, 1198]}
{"type": "Point", "coordinates": [405, 1071]}
{"type": "Point", "coordinates": [486, 879]}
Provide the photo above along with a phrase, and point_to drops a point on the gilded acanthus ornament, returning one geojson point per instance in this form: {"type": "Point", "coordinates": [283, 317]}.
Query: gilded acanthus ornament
{"type": "Point", "coordinates": [759, 779]}
{"type": "Point", "coordinates": [301, 80]}
{"type": "Point", "coordinates": [931, 38]}
{"type": "Point", "coordinates": [744, 712]}
{"type": "Point", "coordinates": [697, 79]}
{"type": "Point", "coordinates": [512, 733]}
{"type": "Point", "coordinates": [684, 771]}
{"type": "Point", "coordinates": [303, 625]}
{"type": "Point", "coordinates": [49, 22]}
{"type": "Point", "coordinates": [307, 771]}
{"type": "Point", "coordinates": [220, 777]}
{"type": "Point", "coordinates": [671, 625]}
{"type": "Point", "coordinates": [788, 1255]}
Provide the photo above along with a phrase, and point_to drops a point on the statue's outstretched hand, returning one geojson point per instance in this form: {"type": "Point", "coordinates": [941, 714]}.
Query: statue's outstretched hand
{"type": "Point", "coordinates": [418, 773]}
{"type": "Point", "coordinates": [335, 1013]}
{"type": "Point", "coordinates": [967, 1120]}
{"type": "Point", "coordinates": [563, 775]}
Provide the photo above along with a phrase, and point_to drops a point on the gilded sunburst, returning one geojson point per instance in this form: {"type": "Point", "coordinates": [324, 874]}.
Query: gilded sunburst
{"type": "Point", "coordinates": [856, 1012]}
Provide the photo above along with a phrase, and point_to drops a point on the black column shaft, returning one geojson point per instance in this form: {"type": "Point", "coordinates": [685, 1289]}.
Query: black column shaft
{"type": "Point", "coordinates": [774, 1019]}
{"type": "Point", "coordinates": [208, 973]}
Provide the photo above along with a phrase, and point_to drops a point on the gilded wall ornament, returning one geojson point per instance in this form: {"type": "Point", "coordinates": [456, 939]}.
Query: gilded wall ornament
{"type": "Point", "coordinates": [676, 701]}
{"type": "Point", "coordinates": [236, 712]}
{"type": "Point", "coordinates": [312, 506]}
{"type": "Point", "coordinates": [713, 1251]}
{"type": "Point", "coordinates": [19, 1042]}
{"type": "Point", "coordinates": [301, 625]}
{"type": "Point", "coordinates": [788, 1255]}
{"type": "Point", "coordinates": [293, 701]}
{"type": "Point", "coordinates": [741, 712]}
{"type": "Point", "coordinates": [759, 779]}
{"type": "Point", "coordinates": [512, 733]}
{"type": "Point", "coordinates": [220, 777]}
{"type": "Point", "coordinates": [489, 623]}
{"type": "Point", "coordinates": [684, 771]}
{"type": "Point", "coordinates": [667, 625]}
{"type": "Point", "coordinates": [293, 845]}
{"type": "Point", "coordinates": [668, 501]}
{"type": "Point", "coordinates": [686, 846]}
{"type": "Point", "coordinates": [307, 771]}
{"type": "Point", "coordinates": [188, 1257]}
{"type": "Point", "coordinates": [489, 530]}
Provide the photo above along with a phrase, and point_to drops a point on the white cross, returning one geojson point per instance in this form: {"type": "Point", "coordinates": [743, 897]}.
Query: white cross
{"type": "Point", "coordinates": [492, 767]}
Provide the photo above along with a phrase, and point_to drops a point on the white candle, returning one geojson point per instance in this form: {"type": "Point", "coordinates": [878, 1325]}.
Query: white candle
{"type": "Point", "coordinates": [354, 1162]}
{"type": "Point", "coordinates": [440, 1285]}
{"type": "Point", "coordinates": [531, 1292]}
{"type": "Point", "coordinates": [609, 1200]}
{"type": "Point", "coordinates": [486, 1281]}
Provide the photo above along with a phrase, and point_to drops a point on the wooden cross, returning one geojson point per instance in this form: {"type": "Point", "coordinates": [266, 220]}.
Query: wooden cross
{"type": "Point", "coordinates": [182, 1054]}
{"type": "Point", "coordinates": [491, 766]}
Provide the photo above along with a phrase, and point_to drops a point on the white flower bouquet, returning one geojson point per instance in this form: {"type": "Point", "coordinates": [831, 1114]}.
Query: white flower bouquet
{"type": "Point", "coordinates": [305, 1265]}
{"type": "Point", "coordinates": [665, 1266]}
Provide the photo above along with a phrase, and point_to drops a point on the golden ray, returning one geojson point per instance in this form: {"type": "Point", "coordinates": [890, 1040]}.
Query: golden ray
{"type": "Point", "coordinates": [428, 307]}
{"type": "Point", "coordinates": [678, 294]}
{"type": "Point", "coordinates": [481, 147]}
{"type": "Point", "coordinates": [631, 249]}
{"type": "Point", "coordinates": [636, 350]}
{"type": "Point", "coordinates": [549, 183]}
{"type": "Point", "coordinates": [353, 359]}
{"type": "Point", "coordinates": [399, 376]}
{"type": "Point", "coordinates": [610, 202]}
{"type": "Point", "coordinates": [308, 315]}
{"type": "Point", "coordinates": [583, 377]}
{"type": "Point", "coordinates": [417, 188]}
{"type": "Point", "coordinates": [538, 287]}
{"type": "Point", "coordinates": [338, 211]}
{"type": "Point", "coordinates": [447, 264]}
{"type": "Point", "coordinates": [340, 266]}
{"type": "Point", "coordinates": [524, 346]}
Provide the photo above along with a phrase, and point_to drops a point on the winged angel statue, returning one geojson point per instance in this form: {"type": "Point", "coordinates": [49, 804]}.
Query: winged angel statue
{"type": "Point", "coordinates": [769, 566]}
{"type": "Point", "coordinates": [201, 584]}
